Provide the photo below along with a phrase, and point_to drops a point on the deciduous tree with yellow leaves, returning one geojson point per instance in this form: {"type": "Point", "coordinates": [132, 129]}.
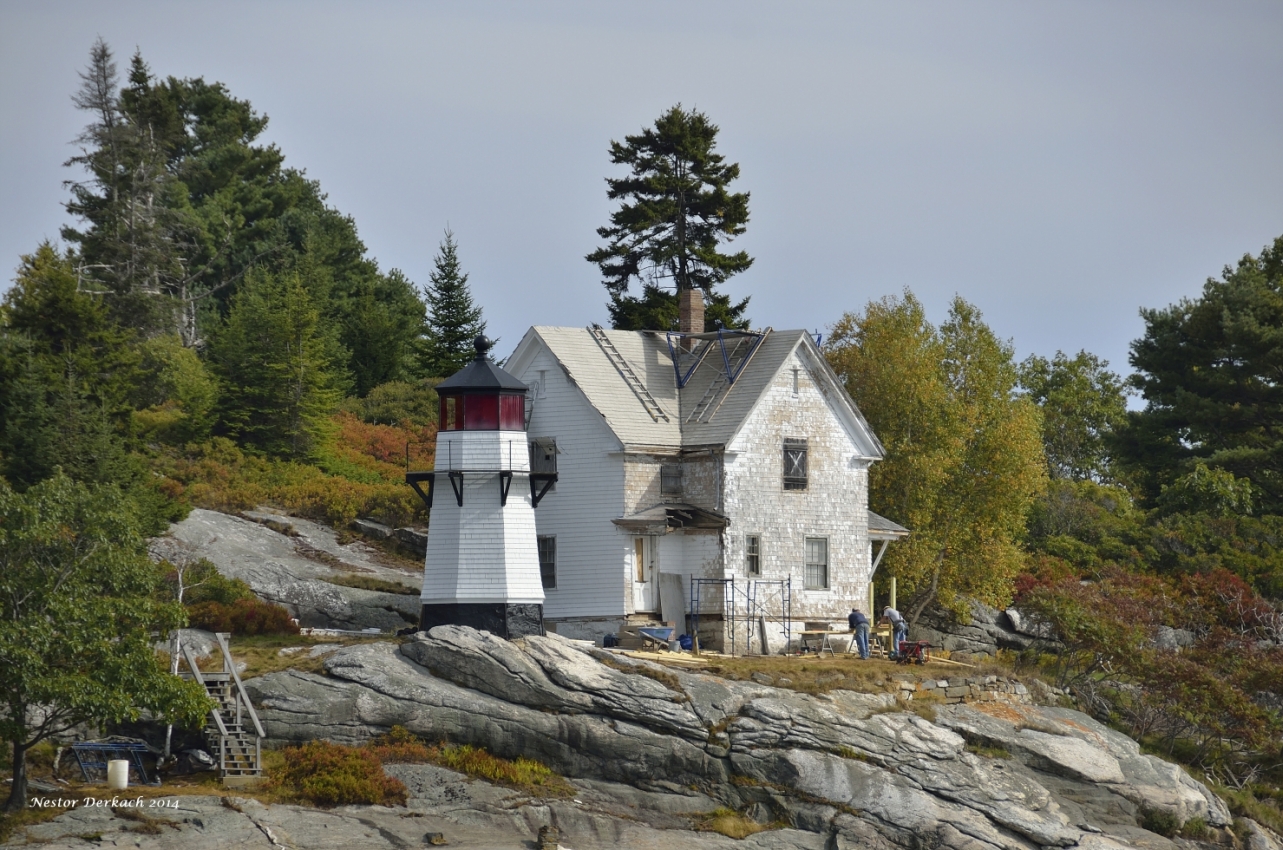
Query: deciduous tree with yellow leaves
{"type": "Point", "coordinates": [964, 455]}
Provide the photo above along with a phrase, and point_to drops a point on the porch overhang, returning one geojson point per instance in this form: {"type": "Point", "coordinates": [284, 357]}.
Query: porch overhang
{"type": "Point", "coordinates": [662, 519]}
{"type": "Point", "coordinates": [881, 528]}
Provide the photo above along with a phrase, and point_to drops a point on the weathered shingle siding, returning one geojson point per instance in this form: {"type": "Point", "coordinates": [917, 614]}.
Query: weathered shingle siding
{"type": "Point", "coordinates": [833, 506]}
{"type": "Point", "coordinates": [593, 557]}
{"type": "Point", "coordinates": [641, 481]}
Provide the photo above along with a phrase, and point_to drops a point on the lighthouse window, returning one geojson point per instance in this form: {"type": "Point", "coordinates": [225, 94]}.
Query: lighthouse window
{"type": "Point", "coordinates": [512, 412]}
{"type": "Point", "coordinates": [481, 412]}
{"type": "Point", "coordinates": [449, 410]}
{"type": "Point", "coordinates": [547, 560]}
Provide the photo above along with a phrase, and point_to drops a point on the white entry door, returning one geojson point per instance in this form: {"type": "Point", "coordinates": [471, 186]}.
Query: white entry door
{"type": "Point", "coordinates": [645, 575]}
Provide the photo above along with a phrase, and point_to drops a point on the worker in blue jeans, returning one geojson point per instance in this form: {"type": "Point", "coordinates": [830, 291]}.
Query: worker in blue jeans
{"type": "Point", "coordinates": [859, 624]}
{"type": "Point", "coordinates": [899, 629]}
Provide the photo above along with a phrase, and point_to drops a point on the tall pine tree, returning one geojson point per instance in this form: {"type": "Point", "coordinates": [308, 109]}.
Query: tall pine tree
{"type": "Point", "coordinates": [453, 320]}
{"type": "Point", "coordinates": [675, 210]}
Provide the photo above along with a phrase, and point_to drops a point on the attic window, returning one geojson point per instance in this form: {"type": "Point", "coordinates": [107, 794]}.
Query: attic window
{"type": "Point", "coordinates": [543, 457]}
{"type": "Point", "coordinates": [795, 463]}
{"type": "Point", "coordinates": [670, 479]}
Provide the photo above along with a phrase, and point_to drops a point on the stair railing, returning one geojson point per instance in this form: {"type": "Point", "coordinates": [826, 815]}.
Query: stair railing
{"type": "Point", "coordinates": [240, 704]}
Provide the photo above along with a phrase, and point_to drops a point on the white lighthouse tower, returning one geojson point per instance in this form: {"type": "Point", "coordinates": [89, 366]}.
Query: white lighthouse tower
{"type": "Point", "coordinates": [482, 566]}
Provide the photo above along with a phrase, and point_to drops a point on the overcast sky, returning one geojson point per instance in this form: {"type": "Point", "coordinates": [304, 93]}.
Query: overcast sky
{"type": "Point", "coordinates": [1060, 165]}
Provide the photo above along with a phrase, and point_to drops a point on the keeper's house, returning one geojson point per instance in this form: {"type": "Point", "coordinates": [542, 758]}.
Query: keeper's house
{"type": "Point", "coordinates": [719, 455]}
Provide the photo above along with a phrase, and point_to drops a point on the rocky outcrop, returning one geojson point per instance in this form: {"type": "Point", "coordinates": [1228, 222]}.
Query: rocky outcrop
{"type": "Point", "coordinates": [986, 631]}
{"type": "Point", "coordinates": [853, 768]}
{"type": "Point", "coordinates": [292, 561]}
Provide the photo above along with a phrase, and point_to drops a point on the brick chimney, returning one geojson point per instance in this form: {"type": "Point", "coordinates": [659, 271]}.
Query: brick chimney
{"type": "Point", "coordinates": [691, 306]}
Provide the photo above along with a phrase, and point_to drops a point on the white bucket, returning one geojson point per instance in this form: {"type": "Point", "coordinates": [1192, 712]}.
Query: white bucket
{"type": "Point", "coordinates": [118, 774]}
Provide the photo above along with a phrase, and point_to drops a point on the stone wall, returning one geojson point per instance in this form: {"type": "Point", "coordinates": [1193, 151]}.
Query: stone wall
{"type": "Point", "coordinates": [970, 689]}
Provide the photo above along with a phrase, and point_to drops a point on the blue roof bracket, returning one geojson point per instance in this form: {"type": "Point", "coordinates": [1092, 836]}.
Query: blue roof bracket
{"type": "Point", "coordinates": [721, 336]}
{"type": "Point", "coordinates": [675, 354]}
{"type": "Point", "coordinates": [732, 374]}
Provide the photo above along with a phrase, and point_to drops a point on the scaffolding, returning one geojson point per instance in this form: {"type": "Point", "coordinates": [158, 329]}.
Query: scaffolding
{"type": "Point", "coordinates": [762, 594]}
{"type": "Point", "coordinates": [727, 586]}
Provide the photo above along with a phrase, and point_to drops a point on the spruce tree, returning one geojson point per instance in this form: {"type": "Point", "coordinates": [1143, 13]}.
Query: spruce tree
{"type": "Point", "coordinates": [453, 320]}
{"type": "Point", "coordinates": [675, 211]}
{"type": "Point", "coordinates": [278, 365]}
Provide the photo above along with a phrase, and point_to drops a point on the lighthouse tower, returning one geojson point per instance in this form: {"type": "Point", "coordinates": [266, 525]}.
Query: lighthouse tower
{"type": "Point", "coordinates": [482, 567]}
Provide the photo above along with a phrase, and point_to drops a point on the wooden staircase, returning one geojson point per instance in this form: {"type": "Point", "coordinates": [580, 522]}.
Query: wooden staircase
{"type": "Point", "coordinates": [237, 747]}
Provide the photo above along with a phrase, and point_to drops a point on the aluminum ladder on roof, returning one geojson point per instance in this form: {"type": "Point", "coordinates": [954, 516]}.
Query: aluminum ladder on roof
{"type": "Point", "coordinates": [626, 372]}
{"type": "Point", "coordinates": [735, 361]}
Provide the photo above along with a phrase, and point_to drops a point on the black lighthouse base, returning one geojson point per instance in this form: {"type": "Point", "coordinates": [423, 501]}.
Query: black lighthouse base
{"type": "Point", "coordinates": [499, 618]}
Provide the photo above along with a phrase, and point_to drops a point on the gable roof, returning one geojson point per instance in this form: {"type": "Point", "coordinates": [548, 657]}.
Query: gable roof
{"type": "Point", "coordinates": [629, 377]}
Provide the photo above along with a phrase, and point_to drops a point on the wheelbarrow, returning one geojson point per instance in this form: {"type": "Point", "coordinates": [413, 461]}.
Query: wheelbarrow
{"type": "Point", "coordinates": [656, 637]}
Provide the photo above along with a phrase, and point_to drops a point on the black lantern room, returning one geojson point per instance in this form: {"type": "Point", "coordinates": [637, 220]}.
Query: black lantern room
{"type": "Point", "coordinates": [482, 397]}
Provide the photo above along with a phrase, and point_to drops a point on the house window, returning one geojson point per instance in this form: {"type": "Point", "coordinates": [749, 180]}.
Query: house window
{"type": "Point", "coordinates": [794, 463]}
{"type": "Point", "coordinates": [796, 373]}
{"type": "Point", "coordinates": [817, 563]}
{"type": "Point", "coordinates": [547, 560]}
{"type": "Point", "coordinates": [670, 479]}
{"type": "Point", "coordinates": [753, 554]}
{"type": "Point", "coordinates": [543, 457]}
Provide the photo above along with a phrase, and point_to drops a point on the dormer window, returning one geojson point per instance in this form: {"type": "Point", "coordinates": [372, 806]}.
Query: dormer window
{"type": "Point", "coordinates": [795, 463]}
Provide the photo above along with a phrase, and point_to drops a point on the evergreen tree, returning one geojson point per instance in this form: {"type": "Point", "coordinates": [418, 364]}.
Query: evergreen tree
{"type": "Point", "coordinates": [278, 366]}
{"type": "Point", "coordinates": [453, 320]}
{"type": "Point", "coordinates": [130, 247]}
{"type": "Point", "coordinates": [180, 201]}
{"type": "Point", "coordinates": [675, 210]}
{"type": "Point", "coordinates": [1208, 369]}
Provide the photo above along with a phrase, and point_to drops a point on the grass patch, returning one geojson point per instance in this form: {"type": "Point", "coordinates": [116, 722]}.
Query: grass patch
{"type": "Point", "coordinates": [523, 774]}
{"type": "Point", "coordinates": [665, 678]}
{"type": "Point", "coordinates": [923, 704]}
{"type": "Point", "coordinates": [12, 822]}
{"type": "Point", "coordinates": [732, 824]}
{"type": "Point", "coordinates": [144, 824]}
{"type": "Point", "coordinates": [368, 582]}
{"type": "Point", "coordinates": [1263, 809]}
{"type": "Point", "coordinates": [262, 653]}
{"type": "Point", "coordinates": [989, 752]}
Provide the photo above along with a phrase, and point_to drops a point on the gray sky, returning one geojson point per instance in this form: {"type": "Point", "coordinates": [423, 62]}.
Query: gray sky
{"type": "Point", "coordinates": [1060, 165]}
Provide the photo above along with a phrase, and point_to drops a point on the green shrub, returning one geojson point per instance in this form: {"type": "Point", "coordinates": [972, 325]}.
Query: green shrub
{"type": "Point", "coordinates": [334, 775]}
{"type": "Point", "coordinates": [218, 588]}
{"type": "Point", "coordinates": [1160, 822]}
{"type": "Point", "coordinates": [242, 617]}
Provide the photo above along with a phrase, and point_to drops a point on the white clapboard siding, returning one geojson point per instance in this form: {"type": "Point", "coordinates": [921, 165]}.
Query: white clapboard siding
{"type": "Point", "coordinates": [593, 556]}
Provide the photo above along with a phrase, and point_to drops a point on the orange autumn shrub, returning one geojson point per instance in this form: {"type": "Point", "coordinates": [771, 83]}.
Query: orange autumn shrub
{"type": "Point", "coordinates": [334, 775]}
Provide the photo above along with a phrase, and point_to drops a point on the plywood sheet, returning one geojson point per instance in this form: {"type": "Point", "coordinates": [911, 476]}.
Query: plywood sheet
{"type": "Point", "coordinates": [672, 600]}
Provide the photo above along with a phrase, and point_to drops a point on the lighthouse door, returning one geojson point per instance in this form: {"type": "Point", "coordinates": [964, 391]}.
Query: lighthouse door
{"type": "Point", "coordinates": [644, 581]}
